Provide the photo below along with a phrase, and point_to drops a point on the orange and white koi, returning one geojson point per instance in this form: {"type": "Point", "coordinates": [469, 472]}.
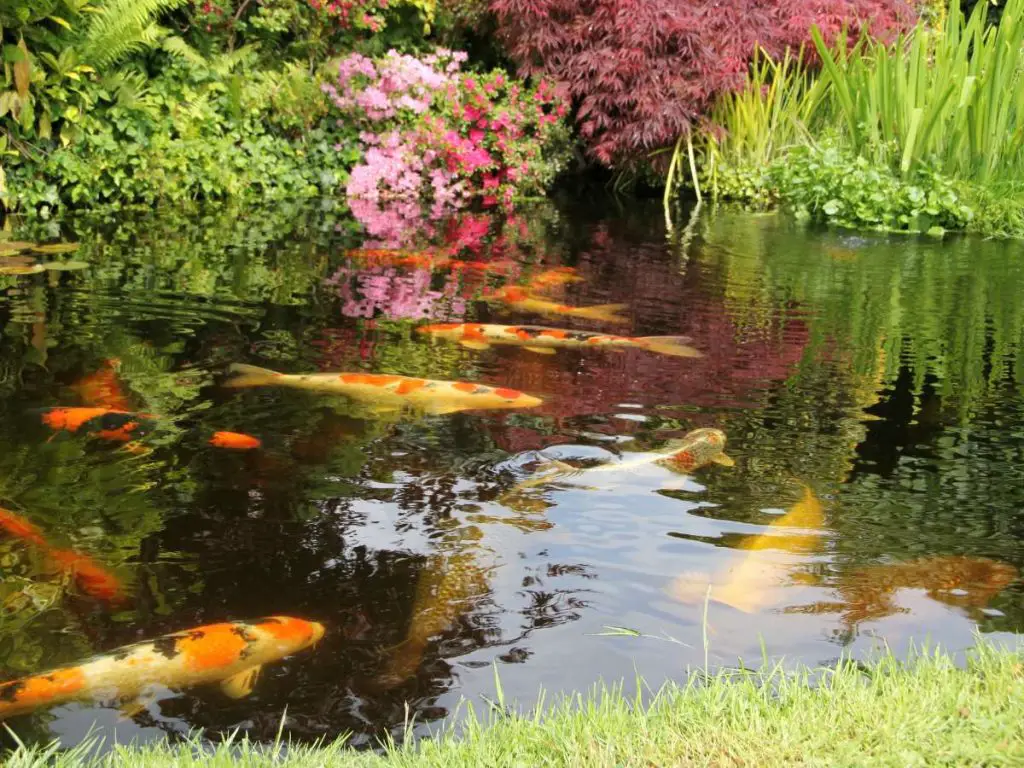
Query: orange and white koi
{"type": "Point", "coordinates": [522, 300]}
{"type": "Point", "coordinates": [103, 388]}
{"type": "Point", "coordinates": [104, 423]}
{"type": "Point", "coordinates": [544, 341]}
{"type": "Point", "coordinates": [231, 654]}
{"type": "Point", "coordinates": [389, 392]}
{"type": "Point", "coordinates": [694, 450]}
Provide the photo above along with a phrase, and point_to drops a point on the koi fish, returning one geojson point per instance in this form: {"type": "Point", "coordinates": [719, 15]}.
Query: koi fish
{"type": "Point", "coordinates": [389, 392]}
{"type": "Point", "coordinates": [447, 587]}
{"type": "Point", "coordinates": [544, 341]}
{"type": "Point", "coordinates": [867, 593]}
{"type": "Point", "coordinates": [237, 441]}
{"type": "Point", "coordinates": [20, 528]}
{"type": "Point", "coordinates": [103, 388]}
{"type": "Point", "coordinates": [104, 423]}
{"type": "Point", "coordinates": [694, 450]}
{"type": "Point", "coordinates": [231, 654]}
{"type": "Point", "coordinates": [91, 577]}
{"type": "Point", "coordinates": [400, 257]}
{"type": "Point", "coordinates": [755, 580]}
{"type": "Point", "coordinates": [552, 278]}
{"type": "Point", "coordinates": [520, 299]}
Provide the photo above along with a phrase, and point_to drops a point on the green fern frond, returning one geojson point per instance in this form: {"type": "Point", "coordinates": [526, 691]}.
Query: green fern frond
{"type": "Point", "coordinates": [176, 46]}
{"type": "Point", "coordinates": [122, 27]}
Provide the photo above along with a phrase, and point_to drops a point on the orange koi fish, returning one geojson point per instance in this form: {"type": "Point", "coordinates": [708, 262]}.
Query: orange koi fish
{"type": "Point", "coordinates": [103, 388]}
{"type": "Point", "coordinates": [387, 392]}
{"type": "Point", "coordinates": [231, 654]}
{"type": "Point", "coordinates": [544, 341]}
{"type": "Point", "coordinates": [104, 423]}
{"type": "Point", "coordinates": [238, 441]}
{"type": "Point", "coordinates": [399, 258]}
{"type": "Point", "coordinates": [694, 450]}
{"type": "Point", "coordinates": [20, 528]}
{"type": "Point", "coordinates": [867, 593]}
{"type": "Point", "coordinates": [521, 300]}
{"type": "Point", "coordinates": [552, 278]}
{"type": "Point", "coordinates": [91, 577]}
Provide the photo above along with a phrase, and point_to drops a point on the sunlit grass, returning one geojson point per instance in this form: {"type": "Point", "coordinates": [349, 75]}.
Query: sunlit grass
{"type": "Point", "coordinates": [930, 711]}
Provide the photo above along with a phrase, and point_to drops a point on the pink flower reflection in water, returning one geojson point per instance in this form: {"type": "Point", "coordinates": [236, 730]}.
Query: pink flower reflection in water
{"type": "Point", "coordinates": [372, 291]}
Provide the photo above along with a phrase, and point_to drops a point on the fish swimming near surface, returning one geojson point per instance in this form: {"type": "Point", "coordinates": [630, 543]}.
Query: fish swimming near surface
{"type": "Point", "coordinates": [400, 258]}
{"type": "Point", "coordinates": [102, 388]}
{"type": "Point", "coordinates": [694, 450]}
{"type": "Point", "coordinates": [104, 423]}
{"type": "Point", "coordinates": [543, 340]}
{"type": "Point", "coordinates": [231, 654]}
{"type": "Point", "coordinates": [389, 392]}
{"type": "Point", "coordinates": [18, 527]}
{"type": "Point", "coordinates": [552, 278]}
{"type": "Point", "coordinates": [236, 441]}
{"type": "Point", "coordinates": [756, 579]}
{"type": "Point", "coordinates": [521, 299]}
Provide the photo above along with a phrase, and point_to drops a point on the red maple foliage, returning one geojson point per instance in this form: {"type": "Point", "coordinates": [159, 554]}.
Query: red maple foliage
{"type": "Point", "coordinates": [641, 72]}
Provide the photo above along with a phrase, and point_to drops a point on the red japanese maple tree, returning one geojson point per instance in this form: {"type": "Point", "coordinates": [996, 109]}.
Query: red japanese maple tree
{"type": "Point", "coordinates": [641, 72]}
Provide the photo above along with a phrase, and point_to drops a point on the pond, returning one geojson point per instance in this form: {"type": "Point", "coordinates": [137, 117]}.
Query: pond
{"type": "Point", "coordinates": [871, 389]}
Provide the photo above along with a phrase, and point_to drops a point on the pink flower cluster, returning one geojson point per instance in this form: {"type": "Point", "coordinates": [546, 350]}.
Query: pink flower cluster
{"type": "Point", "coordinates": [437, 137]}
{"type": "Point", "coordinates": [353, 14]}
{"type": "Point", "coordinates": [367, 291]}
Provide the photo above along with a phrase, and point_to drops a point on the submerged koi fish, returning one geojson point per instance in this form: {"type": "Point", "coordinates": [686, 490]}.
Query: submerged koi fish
{"type": "Point", "coordinates": [103, 388]}
{"type": "Point", "coordinates": [238, 441]}
{"type": "Point", "coordinates": [551, 278]}
{"type": "Point", "coordinates": [544, 341]}
{"type": "Point", "coordinates": [91, 577]}
{"type": "Point", "coordinates": [694, 450]}
{"type": "Point", "coordinates": [388, 392]}
{"type": "Point", "coordinates": [754, 582]}
{"type": "Point", "coordinates": [867, 594]}
{"type": "Point", "coordinates": [399, 257]}
{"type": "Point", "coordinates": [521, 299]}
{"type": "Point", "coordinates": [230, 653]}
{"type": "Point", "coordinates": [104, 423]}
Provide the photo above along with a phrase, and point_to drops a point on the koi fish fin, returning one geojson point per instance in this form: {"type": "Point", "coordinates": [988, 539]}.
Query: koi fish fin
{"type": "Point", "coordinates": [470, 344]}
{"type": "Point", "coordinates": [239, 686]}
{"type": "Point", "coordinates": [605, 313]}
{"type": "Point", "coordinates": [675, 346]}
{"type": "Point", "coordinates": [134, 707]}
{"type": "Point", "coordinates": [439, 409]}
{"type": "Point", "coordinates": [540, 350]}
{"type": "Point", "coordinates": [724, 460]}
{"type": "Point", "coordinates": [249, 376]}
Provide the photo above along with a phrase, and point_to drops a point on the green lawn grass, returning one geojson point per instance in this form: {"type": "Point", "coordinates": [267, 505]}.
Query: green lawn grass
{"type": "Point", "coordinates": [927, 712]}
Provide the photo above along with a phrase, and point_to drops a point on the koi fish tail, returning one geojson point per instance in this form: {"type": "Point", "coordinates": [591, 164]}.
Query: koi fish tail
{"type": "Point", "coordinates": [249, 376]}
{"type": "Point", "coordinates": [674, 346]}
{"type": "Point", "coordinates": [605, 313]}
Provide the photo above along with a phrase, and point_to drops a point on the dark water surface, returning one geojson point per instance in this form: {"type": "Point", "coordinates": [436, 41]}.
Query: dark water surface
{"type": "Point", "coordinates": [882, 373]}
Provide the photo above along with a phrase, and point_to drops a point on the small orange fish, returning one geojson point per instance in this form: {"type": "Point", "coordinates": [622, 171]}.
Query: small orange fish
{"type": "Point", "coordinates": [522, 300]}
{"type": "Point", "coordinates": [20, 528]}
{"type": "Point", "coordinates": [551, 278]}
{"type": "Point", "coordinates": [399, 258]}
{"type": "Point", "coordinates": [91, 577]}
{"type": "Point", "coordinates": [544, 341]}
{"type": "Point", "coordinates": [237, 441]}
{"type": "Point", "coordinates": [104, 423]}
{"type": "Point", "coordinates": [231, 654]}
{"type": "Point", "coordinates": [103, 388]}
{"type": "Point", "coordinates": [386, 391]}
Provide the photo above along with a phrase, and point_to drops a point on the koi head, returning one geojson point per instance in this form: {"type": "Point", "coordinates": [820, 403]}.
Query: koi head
{"type": "Point", "coordinates": [700, 447]}
{"type": "Point", "coordinates": [442, 330]}
{"type": "Point", "coordinates": [294, 633]}
{"type": "Point", "coordinates": [488, 398]}
{"type": "Point", "coordinates": [237, 441]}
{"type": "Point", "coordinates": [92, 578]}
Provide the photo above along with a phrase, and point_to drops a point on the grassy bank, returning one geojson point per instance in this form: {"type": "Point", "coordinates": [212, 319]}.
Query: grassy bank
{"type": "Point", "coordinates": [929, 711]}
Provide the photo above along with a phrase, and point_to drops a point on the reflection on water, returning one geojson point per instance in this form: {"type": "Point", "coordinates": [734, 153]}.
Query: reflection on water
{"type": "Point", "coordinates": [869, 389]}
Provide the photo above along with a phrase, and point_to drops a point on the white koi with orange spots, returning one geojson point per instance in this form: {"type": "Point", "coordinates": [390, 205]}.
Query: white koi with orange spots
{"type": "Point", "coordinates": [231, 653]}
{"type": "Point", "coordinates": [544, 340]}
{"type": "Point", "coordinates": [390, 392]}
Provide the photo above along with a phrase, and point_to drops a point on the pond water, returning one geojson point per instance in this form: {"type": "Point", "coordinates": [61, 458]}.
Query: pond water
{"type": "Point", "coordinates": [870, 388]}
